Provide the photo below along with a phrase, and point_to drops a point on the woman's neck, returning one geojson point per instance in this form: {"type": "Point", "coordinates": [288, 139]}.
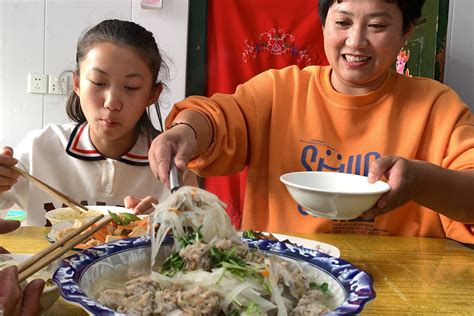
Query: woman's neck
{"type": "Point", "coordinates": [345, 88]}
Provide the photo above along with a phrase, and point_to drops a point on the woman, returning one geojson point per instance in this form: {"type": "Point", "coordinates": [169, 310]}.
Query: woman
{"type": "Point", "coordinates": [355, 116]}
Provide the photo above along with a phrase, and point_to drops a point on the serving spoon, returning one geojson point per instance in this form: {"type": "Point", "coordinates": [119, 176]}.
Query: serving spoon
{"type": "Point", "coordinates": [175, 180]}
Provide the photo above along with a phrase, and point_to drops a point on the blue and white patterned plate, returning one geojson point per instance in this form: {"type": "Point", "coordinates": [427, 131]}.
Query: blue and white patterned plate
{"type": "Point", "coordinates": [79, 274]}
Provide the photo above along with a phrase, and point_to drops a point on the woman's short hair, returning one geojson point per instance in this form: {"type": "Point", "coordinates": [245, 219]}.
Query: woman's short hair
{"type": "Point", "coordinates": [411, 10]}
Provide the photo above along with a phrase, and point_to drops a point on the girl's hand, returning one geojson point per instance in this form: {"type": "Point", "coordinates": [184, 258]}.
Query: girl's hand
{"type": "Point", "coordinates": [140, 206]}
{"type": "Point", "coordinates": [15, 301]}
{"type": "Point", "coordinates": [7, 177]}
{"type": "Point", "coordinates": [400, 176]}
{"type": "Point", "coordinates": [178, 142]}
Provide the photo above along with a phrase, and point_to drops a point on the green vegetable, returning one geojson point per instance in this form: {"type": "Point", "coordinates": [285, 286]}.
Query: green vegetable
{"type": "Point", "coordinates": [130, 217]}
{"type": "Point", "coordinates": [249, 234]}
{"type": "Point", "coordinates": [218, 257]}
{"type": "Point", "coordinates": [253, 309]}
{"type": "Point", "coordinates": [322, 287]}
{"type": "Point", "coordinates": [232, 263]}
{"type": "Point", "coordinates": [172, 265]}
{"type": "Point", "coordinates": [189, 238]}
{"type": "Point", "coordinates": [123, 219]}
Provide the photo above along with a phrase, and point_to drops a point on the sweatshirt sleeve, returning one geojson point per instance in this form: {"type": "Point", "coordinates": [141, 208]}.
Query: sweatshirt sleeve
{"type": "Point", "coordinates": [459, 155]}
{"type": "Point", "coordinates": [458, 231]}
{"type": "Point", "coordinates": [235, 118]}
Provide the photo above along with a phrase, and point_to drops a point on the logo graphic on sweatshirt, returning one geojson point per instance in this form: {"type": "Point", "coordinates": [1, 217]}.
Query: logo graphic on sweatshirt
{"type": "Point", "coordinates": [329, 159]}
{"type": "Point", "coordinates": [319, 156]}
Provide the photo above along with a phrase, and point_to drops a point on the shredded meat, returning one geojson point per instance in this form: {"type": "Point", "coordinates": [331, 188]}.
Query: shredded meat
{"type": "Point", "coordinates": [200, 301]}
{"type": "Point", "coordinates": [296, 284]}
{"type": "Point", "coordinates": [310, 304]}
{"type": "Point", "coordinates": [143, 296]}
{"type": "Point", "coordinates": [227, 244]}
{"type": "Point", "coordinates": [196, 256]}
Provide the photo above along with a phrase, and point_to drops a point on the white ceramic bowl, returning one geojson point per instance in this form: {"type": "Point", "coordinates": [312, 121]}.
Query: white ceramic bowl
{"type": "Point", "coordinates": [67, 214]}
{"type": "Point", "coordinates": [333, 195]}
{"type": "Point", "coordinates": [49, 297]}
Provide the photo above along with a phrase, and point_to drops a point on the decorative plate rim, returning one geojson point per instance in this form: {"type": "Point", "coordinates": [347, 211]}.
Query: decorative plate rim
{"type": "Point", "coordinates": [357, 284]}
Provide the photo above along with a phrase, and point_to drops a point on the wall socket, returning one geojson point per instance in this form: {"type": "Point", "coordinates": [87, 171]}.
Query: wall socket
{"type": "Point", "coordinates": [57, 84]}
{"type": "Point", "coordinates": [37, 83]}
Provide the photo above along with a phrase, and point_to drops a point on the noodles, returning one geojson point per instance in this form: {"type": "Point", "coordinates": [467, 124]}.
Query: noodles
{"type": "Point", "coordinates": [190, 207]}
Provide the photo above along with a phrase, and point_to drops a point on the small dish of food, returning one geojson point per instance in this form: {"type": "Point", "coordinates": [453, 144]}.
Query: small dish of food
{"type": "Point", "coordinates": [68, 214]}
{"type": "Point", "coordinates": [123, 225]}
{"type": "Point", "coordinates": [50, 292]}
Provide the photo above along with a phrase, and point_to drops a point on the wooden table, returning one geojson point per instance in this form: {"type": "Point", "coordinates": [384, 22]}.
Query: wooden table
{"type": "Point", "coordinates": [411, 275]}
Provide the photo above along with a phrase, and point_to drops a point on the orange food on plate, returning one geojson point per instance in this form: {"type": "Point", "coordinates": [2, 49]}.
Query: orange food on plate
{"type": "Point", "coordinates": [123, 225]}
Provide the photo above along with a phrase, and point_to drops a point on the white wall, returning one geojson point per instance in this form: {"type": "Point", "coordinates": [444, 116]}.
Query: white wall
{"type": "Point", "coordinates": [40, 36]}
{"type": "Point", "coordinates": [459, 71]}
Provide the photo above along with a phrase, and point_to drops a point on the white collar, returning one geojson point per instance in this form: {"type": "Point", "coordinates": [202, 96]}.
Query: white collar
{"type": "Point", "coordinates": [80, 146]}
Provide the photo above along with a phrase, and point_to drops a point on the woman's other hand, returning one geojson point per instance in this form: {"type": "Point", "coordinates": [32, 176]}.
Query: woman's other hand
{"type": "Point", "coordinates": [140, 206]}
{"type": "Point", "coordinates": [17, 301]}
{"type": "Point", "coordinates": [401, 180]}
{"type": "Point", "coordinates": [7, 176]}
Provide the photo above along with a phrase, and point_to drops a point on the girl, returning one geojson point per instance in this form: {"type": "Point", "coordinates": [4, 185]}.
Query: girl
{"type": "Point", "coordinates": [102, 157]}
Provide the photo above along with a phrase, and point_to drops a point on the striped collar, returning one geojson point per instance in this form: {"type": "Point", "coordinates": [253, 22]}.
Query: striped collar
{"type": "Point", "coordinates": [80, 146]}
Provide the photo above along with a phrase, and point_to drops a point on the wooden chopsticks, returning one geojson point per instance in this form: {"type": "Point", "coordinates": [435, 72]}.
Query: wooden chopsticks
{"type": "Point", "coordinates": [60, 247]}
{"type": "Point", "coordinates": [76, 206]}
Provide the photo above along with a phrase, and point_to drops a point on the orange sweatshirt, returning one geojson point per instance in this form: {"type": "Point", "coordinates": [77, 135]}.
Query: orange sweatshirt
{"type": "Point", "coordinates": [291, 120]}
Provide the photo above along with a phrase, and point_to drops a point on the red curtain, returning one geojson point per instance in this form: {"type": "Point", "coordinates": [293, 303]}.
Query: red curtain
{"type": "Point", "coordinates": [246, 37]}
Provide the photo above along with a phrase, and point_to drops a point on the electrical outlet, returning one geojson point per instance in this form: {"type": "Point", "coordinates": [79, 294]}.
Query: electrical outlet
{"type": "Point", "coordinates": [37, 83]}
{"type": "Point", "coordinates": [57, 84]}
{"type": "Point", "coordinates": [151, 4]}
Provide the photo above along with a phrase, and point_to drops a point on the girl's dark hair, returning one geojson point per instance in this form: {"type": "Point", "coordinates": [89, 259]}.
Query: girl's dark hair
{"type": "Point", "coordinates": [411, 10]}
{"type": "Point", "coordinates": [129, 34]}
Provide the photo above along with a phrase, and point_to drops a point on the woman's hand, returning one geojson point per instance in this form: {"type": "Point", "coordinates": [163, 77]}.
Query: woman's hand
{"type": "Point", "coordinates": [140, 206]}
{"type": "Point", "coordinates": [400, 176]}
{"type": "Point", "coordinates": [7, 177]}
{"type": "Point", "coordinates": [17, 301]}
{"type": "Point", "coordinates": [178, 142]}
{"type": "Point", "coordinates": [446, 191]}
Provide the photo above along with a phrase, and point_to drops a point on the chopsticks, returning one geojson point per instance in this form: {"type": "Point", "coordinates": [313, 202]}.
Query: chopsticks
{"type": "Point", "coordinates": [76, 206]}
{"type": "Point", "coordinates": [60, 247]}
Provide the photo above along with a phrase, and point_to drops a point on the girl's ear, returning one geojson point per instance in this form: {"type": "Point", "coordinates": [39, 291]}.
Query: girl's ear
{"type": "Point", "coordinates": [75, 83]}
{"type": "Point", "coordinates": [155, 93]}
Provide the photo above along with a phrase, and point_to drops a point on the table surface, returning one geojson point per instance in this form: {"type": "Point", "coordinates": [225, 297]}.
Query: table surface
{"type": "Point", "coordinates": [412, 275]}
